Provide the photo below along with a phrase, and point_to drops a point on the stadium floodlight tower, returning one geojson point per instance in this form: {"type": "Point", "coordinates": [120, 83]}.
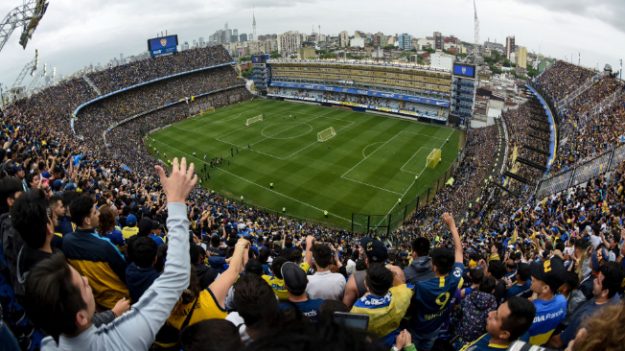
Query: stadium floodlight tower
{"type": "Point", "coordinates": [37, 78]}
{"type": "Point", "coordinates": [27, 15]}
{"type": "Point", "coordinates": [17, 89]}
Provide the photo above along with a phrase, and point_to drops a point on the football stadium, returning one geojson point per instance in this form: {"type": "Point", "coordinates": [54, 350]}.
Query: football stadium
{"type": "Point", "coordinates": [294, 191]}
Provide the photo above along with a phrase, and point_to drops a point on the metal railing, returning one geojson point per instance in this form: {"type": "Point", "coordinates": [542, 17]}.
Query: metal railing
{"type": "Point", "coordinates": [581, 173]}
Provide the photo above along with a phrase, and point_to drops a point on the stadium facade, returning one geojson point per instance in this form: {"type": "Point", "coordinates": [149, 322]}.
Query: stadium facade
{"type": "Point", "coordinates": [426, 93]}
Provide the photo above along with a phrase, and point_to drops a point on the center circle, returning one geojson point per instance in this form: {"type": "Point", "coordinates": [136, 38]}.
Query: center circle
{"type": "Point", "coordinates": [287, 130]}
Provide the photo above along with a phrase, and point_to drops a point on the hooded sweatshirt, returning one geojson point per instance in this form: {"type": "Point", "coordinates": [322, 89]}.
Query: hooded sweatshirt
{"type": "Point", "coordinates": [419, 270]}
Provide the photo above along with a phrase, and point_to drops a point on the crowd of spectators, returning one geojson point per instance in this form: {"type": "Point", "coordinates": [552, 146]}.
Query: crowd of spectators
{"type": "Point", "coordinates": [118, 77]}
{"type": "Point", "coordinates": [98, 117]}
{"type": "Point", "coordinates": [563, 78]}
{"type": "Point", "coordinates": [589, 123]}
{"type": "Point", "coordinates": [97, 256]}
{"type": "Point", "coordinates": [529, 136]}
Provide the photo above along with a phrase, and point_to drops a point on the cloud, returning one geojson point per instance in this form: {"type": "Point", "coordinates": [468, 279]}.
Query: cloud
{"type": "Point", "coordinates": [271, 3]}
{"type": "Point", "coordinates": [74, 34]}
{"type": "Point", "coordinates": [609, 11]}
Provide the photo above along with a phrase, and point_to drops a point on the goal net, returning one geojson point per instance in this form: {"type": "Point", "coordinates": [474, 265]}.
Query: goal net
{"type": "Point", "coordinates": [253, 120]}
{"type": "Point", "coordinates": [326, 134]}
{"type": "Point", "coordinates": [434, 158]}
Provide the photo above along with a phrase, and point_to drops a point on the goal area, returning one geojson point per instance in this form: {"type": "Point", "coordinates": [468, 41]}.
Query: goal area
{"type": "Point", "coordinates": [326, 134]}
{"type": "Point", "coordinates": [252, 120]}
{"type": "Point", "coordinates": [434, 158]}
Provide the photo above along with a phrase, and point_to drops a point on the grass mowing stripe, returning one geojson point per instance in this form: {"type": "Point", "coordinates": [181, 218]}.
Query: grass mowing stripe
{"type": "Point", "coordinates": [253, 183]}
{"type": "Point", "coordinates": [305, 173]}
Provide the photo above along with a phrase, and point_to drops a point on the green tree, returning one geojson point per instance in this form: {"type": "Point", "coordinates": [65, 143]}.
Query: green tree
{"type": "Point", "coordinates": [531, 71]}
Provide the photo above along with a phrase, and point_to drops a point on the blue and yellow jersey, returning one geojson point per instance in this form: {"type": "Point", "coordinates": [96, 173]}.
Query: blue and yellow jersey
{"type": "Point", "coordinates": [128, 232]}
{"type": "Point", "coordinates": [549, 314]}
{"type": "Point", "coordinates": [483, 344]}
{"type": "Point", "coordinates": [98, 259]}
{"type": "Point", "coordinates": [278, 284]}
{"type": "Point", "coordinates": [207, 307]}
{"type": "Point", "coordinates": [278, 287]}
{"type": "Point", "coordinates": [385, 312]}
{"type": "Point", "coordinates": [431, 300]}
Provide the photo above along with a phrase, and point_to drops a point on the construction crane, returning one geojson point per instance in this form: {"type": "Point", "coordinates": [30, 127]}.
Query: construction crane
{"type": "Point", "coordinates": [28, 16]}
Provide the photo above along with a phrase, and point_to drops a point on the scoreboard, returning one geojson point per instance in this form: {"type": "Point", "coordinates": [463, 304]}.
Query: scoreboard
{"type": "Point", "coordinates": [260, 58]}
{"type": "Point", "coordinates": [464, 70]}
{"type": "Point", "coordinates": [163, 45]}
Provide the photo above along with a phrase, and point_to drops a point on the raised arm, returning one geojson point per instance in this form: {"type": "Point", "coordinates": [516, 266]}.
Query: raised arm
{"type": "Point", "coordinates": [137, 329]}
{"type": "Point", "coordinates": [222, 284]}
{"type": "Point", "coordinates": [451, 224]}
{"type": "Point", "coordinates": [308, 254]}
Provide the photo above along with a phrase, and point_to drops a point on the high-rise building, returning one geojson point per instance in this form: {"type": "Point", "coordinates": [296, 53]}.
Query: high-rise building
{"type": "Point", "coordinates": [357, 42]}
{"type": "Point", "coordinates": [289, 42]}
{"type": "Point", "coordinates": [343, 39]}
{"type": "Point", "coordinates": [243, 37]}
{"type": "Point", "coordinates": [438, 41]}
{"type": "Point", "coordinates": [405, 41]}
{"type": "Point", "coordinates": [379, 39]}
{"type": "Point", "coordinates": [510, 46]}
{"type": "Point", "coordinates": [521, 57]}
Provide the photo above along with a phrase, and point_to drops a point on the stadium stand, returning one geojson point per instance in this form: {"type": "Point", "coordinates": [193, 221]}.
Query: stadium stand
{"type": "Point", "coordinates": [409, 90]}
{"type": "Point", "coordinates": [566, 248]}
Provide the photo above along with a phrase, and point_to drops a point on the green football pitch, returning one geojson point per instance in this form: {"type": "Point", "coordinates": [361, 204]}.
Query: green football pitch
{"type": "Point", "coordinates": [278, 163]}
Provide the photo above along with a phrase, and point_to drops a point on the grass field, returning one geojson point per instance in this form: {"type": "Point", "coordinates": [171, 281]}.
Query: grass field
{"type": "Point", "coordinates": [371, 163]}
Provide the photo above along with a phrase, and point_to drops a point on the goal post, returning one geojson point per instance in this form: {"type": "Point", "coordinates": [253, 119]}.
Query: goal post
{"type": "Point", "coordinates": [326, 134]}
{"type": "Point", "coordinates": [252, 120]}
{"type": "Point", "coordinates": [434, 158]}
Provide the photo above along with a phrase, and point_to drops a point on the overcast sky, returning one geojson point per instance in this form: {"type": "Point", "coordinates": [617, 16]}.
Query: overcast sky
{"type": "Point", "coordinates": [76, 33]}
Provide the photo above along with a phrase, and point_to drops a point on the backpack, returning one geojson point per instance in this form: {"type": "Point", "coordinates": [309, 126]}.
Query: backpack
{"type": "Point", "coordinates": [15, 317]}
{"type": "Point", "coordinates": [12, 244]}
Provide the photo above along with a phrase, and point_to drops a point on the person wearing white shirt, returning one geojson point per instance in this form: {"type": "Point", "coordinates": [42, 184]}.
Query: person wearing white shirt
{"type": "Point", "coordinates": [324, 284]}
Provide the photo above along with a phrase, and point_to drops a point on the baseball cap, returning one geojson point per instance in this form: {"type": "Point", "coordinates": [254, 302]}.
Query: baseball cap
{"type": "Point", "coordinates": [375, 250]}
{"type": "Point", "coordinates": [294, 277]}
{"type": "Point", "coordinates": [131, 220]}
{"type": "Point", "coordinates": [551, 272]}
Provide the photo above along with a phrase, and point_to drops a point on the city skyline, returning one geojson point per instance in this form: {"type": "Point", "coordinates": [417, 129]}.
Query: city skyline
{"type": "Point", "coordinates": [102, 33]}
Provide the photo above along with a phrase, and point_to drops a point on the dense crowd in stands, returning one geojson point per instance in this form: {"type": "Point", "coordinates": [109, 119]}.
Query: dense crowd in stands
{"type": "Point", "coordinates": [98, 117]}
{"type": "Point", "coordinates": [95, 256]}
{"type": "Point", "coordinates": [529, 140]}
{"type": "Point", "coordinates": [589, 123]}
{"type": "Point", "coordinates": [118, 77]}
{"type": "Point", "coordinates": [563, 78]}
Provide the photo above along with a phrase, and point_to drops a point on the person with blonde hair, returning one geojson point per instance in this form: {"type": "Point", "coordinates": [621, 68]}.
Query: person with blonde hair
{"type": "Point", "coordinates": [602, 332]}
